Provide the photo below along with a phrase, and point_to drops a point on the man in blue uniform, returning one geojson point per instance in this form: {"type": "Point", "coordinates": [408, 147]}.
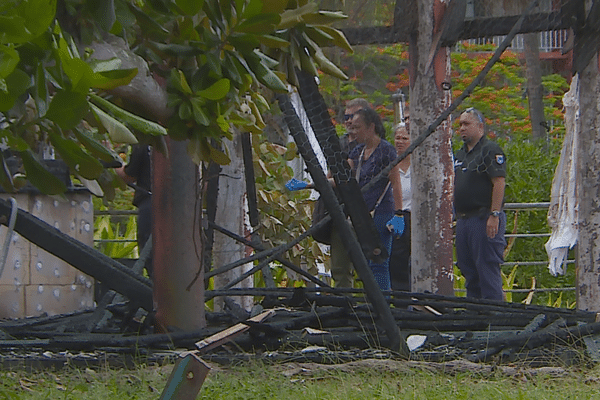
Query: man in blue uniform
{"type": "Point", "coordinates": [480, 170]}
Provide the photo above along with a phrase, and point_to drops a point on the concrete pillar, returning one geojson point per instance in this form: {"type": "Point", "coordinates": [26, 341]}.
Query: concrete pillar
{"type": "Point", "coordinates": [431, 162]}
{"type": "Point", "coordinates": [34, 282]}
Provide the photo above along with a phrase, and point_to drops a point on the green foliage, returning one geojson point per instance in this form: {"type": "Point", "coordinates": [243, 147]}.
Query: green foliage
{"type": "Point", "coordinates": [501, 97]}
{"type": "Point", "coordinates": [121, 229]}
{"type": "Point", "coordinates": [375, 74]}
{"type": "Point", "coordinates": [530, 170]}
{"type": "Point", "coordinates": [215, 57]}
{"type": "Point", "coordinates": [40, 63]}
{"type": "Point", "coordinates": [105, 229]}
{"type": "Point", "coordinates": [285, 215]}
{"type": "Point", "coordinates": [233, 49]}
{"type": "Point", "coordinates": [508, 282]}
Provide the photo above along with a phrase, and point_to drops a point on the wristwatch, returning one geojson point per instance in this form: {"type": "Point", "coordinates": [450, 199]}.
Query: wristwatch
{"type": "Point", "coordinates": [495, 213]}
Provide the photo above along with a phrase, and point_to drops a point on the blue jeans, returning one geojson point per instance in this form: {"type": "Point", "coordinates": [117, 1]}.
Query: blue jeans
{"type": "Point", "coordinates": [381, 271]}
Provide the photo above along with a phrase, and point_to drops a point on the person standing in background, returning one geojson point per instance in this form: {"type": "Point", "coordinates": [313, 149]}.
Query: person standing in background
{"type": "Point", "coordinates": [340, 265]}
{"type": "Point", "coordinates": [400, 257]}
{"type": "Point", "coordinates": [137, 174]}
{"type": "Point", "coordinates": [367, 160]}
{"type": "Point", "coordinates": [348, 141]}
{"type": "Point", "coordinates": [480, 170]}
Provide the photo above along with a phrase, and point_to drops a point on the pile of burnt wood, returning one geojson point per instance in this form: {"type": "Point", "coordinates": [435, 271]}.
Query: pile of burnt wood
{"type": "Point", "coordinates": [310, 324]}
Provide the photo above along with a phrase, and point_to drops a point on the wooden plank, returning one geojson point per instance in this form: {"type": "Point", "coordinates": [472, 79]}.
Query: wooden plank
{"type": "Point", "coordinates": [230, 333]}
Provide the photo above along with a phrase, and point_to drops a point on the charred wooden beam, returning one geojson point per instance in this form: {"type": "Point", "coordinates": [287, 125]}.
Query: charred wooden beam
{"type": "Point", "coordinates": [356, 255]}
{"type": "Point", "coordinates": [88, 260]}
{"type": "Point", "coordinates": [242, 261]}
{"type": "Point", "coordinates": [533, 326]}
{"type": "Point", "coordinates": [347, 187]}
{"type": "Point", "coordinates": [587, 40]}
{"type": "Point", "coordinates": [211, 174]}
{"type": "Point", "coordinates": [253, 214]}
{"type": "Point", "coordinates": [403, 300]}
{"type": "Point", "coordinates": [260, 247]}
{"type": "Point", "coordinates": [92, 341]}
{"type": "Point", "coordinates": [471, 29]}
{"type": "Point", "coordinates": [499, 26]}
{"type": "Point", "coordinates": [44, 322]}
{"type": "Point", "coordinates": [101, 313]}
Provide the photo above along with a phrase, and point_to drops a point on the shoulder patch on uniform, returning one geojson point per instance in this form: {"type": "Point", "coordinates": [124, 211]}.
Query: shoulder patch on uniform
{"type": "Point", "coordinates": [500, 158]}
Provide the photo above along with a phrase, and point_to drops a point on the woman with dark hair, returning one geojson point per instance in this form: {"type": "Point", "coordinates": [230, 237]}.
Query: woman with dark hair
{"type": "Point", "coordinates": [368, 159]}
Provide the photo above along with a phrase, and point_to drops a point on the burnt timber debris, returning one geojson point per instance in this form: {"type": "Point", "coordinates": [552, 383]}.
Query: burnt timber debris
{"type": "Point", "coordinates": [318, 324]}
{"type": "Point", "coordinates": [314, 323]}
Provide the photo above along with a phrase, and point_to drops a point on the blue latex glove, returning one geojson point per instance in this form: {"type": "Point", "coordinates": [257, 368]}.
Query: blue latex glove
{"type": "Point", "coordinates": [396, 225]}
{"type": "Point", "coordinates": [296, 184]}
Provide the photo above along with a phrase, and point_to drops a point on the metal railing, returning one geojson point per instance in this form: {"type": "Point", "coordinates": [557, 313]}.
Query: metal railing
{"type": "Point", "coordinates": [532, 206]}
{"type": "Point", "coordinates": [507, 207]}
{"type": "Point", "coordinates": [549, 41]}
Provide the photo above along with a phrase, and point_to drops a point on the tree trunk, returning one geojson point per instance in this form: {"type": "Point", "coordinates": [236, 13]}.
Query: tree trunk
{"type": "Point", "coordinates": [588, 190]}
{"type": "Point", "coordinates": [231, 216]}
{"type": "Point", "coordinates": [534, 84]}
{"type": "Point", "coordinates": [431, 163]}
{"type": "Point", "coordinates": [177, 260]}
{"type": "Point", "coordinates": [177, 250]}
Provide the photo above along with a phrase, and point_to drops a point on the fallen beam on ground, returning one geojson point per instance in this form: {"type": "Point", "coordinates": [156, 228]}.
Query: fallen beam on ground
{"type": "Point", "coordinates": [88, 260]}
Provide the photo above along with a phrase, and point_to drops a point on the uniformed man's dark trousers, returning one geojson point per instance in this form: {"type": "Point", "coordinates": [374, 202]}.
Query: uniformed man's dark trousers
{"type": "Point", "coordinates": [479, 257]}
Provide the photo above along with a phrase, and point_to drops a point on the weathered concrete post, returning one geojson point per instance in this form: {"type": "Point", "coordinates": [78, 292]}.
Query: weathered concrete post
{"type": "Point", "coordinates": [588, 190]}
{"type": "Point", "coordinates": [431, 163]}
{"type": "Point", "coordinates": [231, 216]}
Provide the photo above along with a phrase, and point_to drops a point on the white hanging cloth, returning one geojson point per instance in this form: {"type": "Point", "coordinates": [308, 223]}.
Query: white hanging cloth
{"type": "Point", "coordinates": [564, 205]}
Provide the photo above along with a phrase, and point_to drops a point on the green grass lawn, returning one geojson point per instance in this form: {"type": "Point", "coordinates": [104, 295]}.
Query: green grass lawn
{"type": "Point", "coordinates": [380, 379]}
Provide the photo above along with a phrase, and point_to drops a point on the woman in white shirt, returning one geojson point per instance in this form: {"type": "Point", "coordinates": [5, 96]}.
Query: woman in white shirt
{"type": "Point", "coordinates": [400, 256]}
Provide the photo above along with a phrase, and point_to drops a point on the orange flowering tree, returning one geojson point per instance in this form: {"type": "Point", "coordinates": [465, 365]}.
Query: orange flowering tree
{"type": "Point", "coordinates": [502, 97]}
